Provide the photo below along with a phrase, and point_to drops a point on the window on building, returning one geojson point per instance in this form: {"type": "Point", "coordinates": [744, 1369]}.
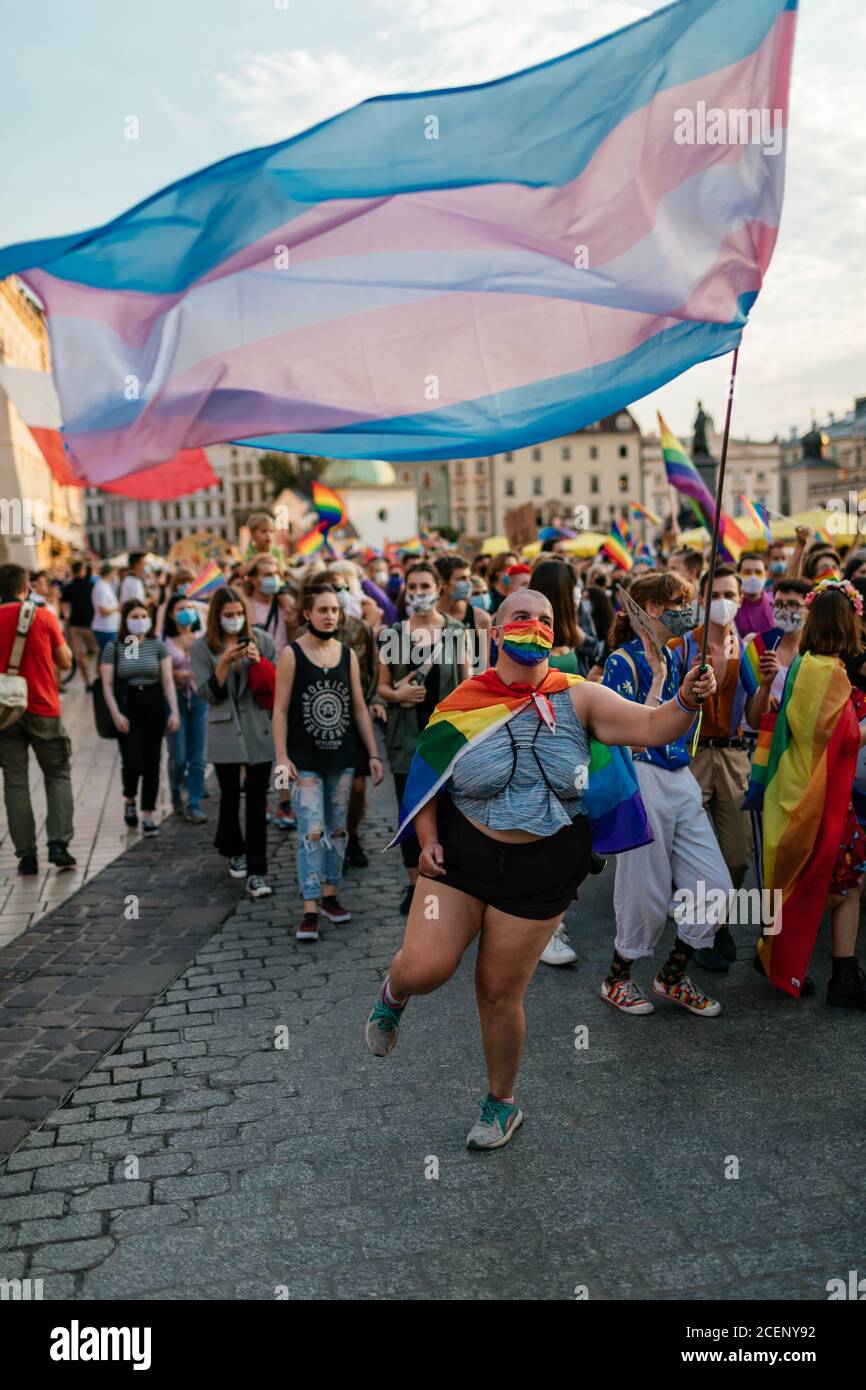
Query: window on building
{"type": "Point", "coordinates": [480, 492]}
{"type": "Point", "coordinates": [593, 451]}
{"type": "Point", "coordinates": [426, 481]}
{"type": "Point", "coordinates": [461, 521]}
{"type": "Point", "coordinates": [536, 455]}
{"type": "Point", "coordinates": [118, 538]}
{"type": "Point", "coordinates": [566, 453]}
{"type": "Point", "coordinates": [458, 468]}
{"type": "Point", "coordinates": [760, 476]}
{"type": "Point", "coordinates": [593, 483]}
{"type": "Point", "coordinates": [623, 451]}
{"type": "Point", "coordinates": [623, 483]}
{"type": "Point", "coordinates": [480, 465]}
{"type": "Point", "coordinates": [593, 516]}
{"type": "Point", "coordinates": [536, 487]}
{"type": "Point", "coordinates": [509, 458]}
{"type": "Point", "coordinates": [566, 482]}
{"type": "Point", "coordinates": [509, 487]}
{"type": "Point", "coordinates": [482, 523]}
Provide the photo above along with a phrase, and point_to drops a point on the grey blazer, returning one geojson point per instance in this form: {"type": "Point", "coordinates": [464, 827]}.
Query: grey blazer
{"type": "Point", "coordinates": [238, 730]}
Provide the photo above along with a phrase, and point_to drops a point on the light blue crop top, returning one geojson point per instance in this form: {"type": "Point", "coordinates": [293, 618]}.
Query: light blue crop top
{"type": "Point", "coordinates": [514, 779]}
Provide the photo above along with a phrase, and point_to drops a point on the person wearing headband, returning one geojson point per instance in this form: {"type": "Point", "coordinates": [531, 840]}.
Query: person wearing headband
{"type": "Point", "coordinates": [505, 808]}
{"type": "Point", "coordinates": [814, 850]}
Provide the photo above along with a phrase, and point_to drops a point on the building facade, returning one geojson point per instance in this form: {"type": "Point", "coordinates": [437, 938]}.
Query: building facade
{"type": "Point", "coordinates": [41, 522]}
{"type": "Point", "coordinates": [597, 468]}
{"type": "Point", "coordinates": [829, 460]}
{"type": "Point", "coordinates": [432, 484]}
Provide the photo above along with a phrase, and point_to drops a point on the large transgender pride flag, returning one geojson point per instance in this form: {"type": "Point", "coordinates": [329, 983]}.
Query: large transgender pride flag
{"type": "Point", "coordinates": [363, 290]}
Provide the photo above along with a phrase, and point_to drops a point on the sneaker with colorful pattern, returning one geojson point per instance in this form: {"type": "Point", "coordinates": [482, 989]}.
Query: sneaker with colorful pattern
{"type": "Point", "coordinates": [383, 1026]}
{"type": "Point", "coordinates": [496, 1124]}
{"type": "Point", "coordinates": [688, 996]}
{"type": "Point", "coordinates": [627, 996]}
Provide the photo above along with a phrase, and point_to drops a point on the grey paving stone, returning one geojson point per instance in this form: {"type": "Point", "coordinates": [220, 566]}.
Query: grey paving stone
{"type": "Point", "coordinates": [97, 1130]}
{"type": "Point", "coordinates": [142, 1220]}
{"type": "Point", "coordinates": [112, 1196]}
{"type": "Point", "coordinates": [70, 1177]}
{"type": "Point", "coordinates": [31, 1204]}
{"type": "Point", "coordinates": [80, 1254]}
{"type": "Point", "coordinates": [42, 1158]}
{"type": "Point", "coordinates": [63, 1228]}
{"type": "Point", "coordinates": [196, 1185]}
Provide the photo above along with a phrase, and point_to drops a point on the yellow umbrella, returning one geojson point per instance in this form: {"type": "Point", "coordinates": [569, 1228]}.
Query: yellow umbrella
{"type": "Point", "coordinates": [494, 545]}
{"type": "Point", "coordinates": [583, 545]}
{"type": "Point", "coordinates": [840, 528]}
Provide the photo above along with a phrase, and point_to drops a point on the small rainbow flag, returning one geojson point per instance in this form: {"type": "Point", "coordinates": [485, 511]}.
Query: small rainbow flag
{"type": "Point", "coordinates": [641, 513]}
{"type": "Point", "coordinates": [481, 705]}
{"type": "Point", "coordinates": [759, 514]}
{"type": "Point", "coordinates": [683, 475]}
{"type": "Point", "coordinates": [764, 642]}
{"type": "Point", "coordinates": [329, 506]}
{"type": "Point", "coordinates": [411, 547]}
{"type": "Point", "coordinates": [616, 548]}
{"type": "Point", "coordinates": [311, 542]}
{"type": "Point", "coordinates": [643, 552]}
{"type": "Point", "coordinates": [206, 581]}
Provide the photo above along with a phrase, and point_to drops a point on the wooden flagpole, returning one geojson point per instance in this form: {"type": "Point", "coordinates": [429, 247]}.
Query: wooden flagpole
{"type": "Point", "coordinates": [714, 547]}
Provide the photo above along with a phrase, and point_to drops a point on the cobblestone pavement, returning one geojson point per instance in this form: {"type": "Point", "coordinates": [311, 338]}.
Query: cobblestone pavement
{"type": "Point", "coordinates": [100, 835]}
{"type": "Point", "coordinates": [200, 1159]}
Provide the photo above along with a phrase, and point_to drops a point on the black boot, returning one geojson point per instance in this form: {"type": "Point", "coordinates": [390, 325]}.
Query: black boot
{"type": "Point", "coordinates": [59, 855]}
{"type": "Point", "coordinates": [28, 865]}
{"type": "Point", "coordinates": [846, 988]}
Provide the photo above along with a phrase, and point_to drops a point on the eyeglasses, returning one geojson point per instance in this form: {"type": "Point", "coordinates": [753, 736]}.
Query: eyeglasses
{"type": "Point", "coordinates": [792, 607]}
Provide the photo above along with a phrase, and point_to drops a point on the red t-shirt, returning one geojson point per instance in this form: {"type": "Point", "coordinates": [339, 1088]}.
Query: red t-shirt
{"type": "Point", "coordinates": [37, 663]}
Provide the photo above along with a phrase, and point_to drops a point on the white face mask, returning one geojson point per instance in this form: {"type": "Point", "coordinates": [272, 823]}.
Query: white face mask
{"type": "Point", "coordinates": [787, 621]}
{"type": "Point", "coordinates": [138, 626]}
{"type": "Point", "coordinates": [723, 611]}
{"type": "Point", "coordinates": [753, 584]}
{"type": "Point", "coordinates": [578, 595]}
{"type": "Point", "coordinates": [353, 605]}
{"type": "Point", "coordinates": [421, 603]}
{"type": "Point", "coordinates": [231, 624]}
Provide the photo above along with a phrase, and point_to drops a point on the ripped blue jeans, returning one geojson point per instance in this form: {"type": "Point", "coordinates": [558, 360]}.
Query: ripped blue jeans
{"type": "Point", "coordinates": [321, 802]}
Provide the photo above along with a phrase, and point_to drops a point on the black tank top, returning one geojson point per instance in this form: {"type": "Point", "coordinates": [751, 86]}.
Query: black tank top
{"type": "Point", "coordinates": [321, 733]}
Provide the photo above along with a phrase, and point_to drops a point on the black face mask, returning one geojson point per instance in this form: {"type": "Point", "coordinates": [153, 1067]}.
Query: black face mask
{"type": "Point", "coordinates": [317, 632]}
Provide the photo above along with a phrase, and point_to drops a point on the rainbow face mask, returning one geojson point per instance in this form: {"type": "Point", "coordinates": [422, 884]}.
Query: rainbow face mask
{"type": "Point", "coordinates": [528, 641]}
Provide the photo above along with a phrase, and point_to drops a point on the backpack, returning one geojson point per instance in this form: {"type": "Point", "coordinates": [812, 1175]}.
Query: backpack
{"type": "Point", "coordinates": [13, 688]}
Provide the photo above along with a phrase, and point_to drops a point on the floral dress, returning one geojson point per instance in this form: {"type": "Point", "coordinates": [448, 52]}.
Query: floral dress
{"type": "Point", "coordinates": [851, 855]}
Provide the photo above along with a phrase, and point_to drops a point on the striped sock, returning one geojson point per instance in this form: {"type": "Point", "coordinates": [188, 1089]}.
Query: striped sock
{"type": "Point", "coordinates": [388, 998]}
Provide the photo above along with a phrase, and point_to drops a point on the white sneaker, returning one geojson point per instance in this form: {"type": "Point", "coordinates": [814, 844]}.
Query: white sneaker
{"type": "Point", "coordinates": [238, 866]}
{"type": "Point", "coordinates": [558, 950]}
{"type": "Point", "coordinates": [257, 888]}
{"type": "Point", "coordinates": [626, 996]}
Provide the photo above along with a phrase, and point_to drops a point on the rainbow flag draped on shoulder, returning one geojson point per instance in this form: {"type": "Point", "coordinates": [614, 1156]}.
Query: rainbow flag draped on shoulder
{"type": "Point", "coordinates": [481, 705]}
{"type": "Point", "coordinates": [810, 749]}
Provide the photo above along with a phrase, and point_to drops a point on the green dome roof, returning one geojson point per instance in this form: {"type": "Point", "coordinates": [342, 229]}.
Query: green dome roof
{"type": "Point", "coordinates": [367, 472]}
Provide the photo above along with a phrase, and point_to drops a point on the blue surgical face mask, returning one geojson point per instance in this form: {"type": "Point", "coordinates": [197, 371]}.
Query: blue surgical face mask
{"type": "Point", "coordinates": [270, 584]}
{"type": "Point", "coordinates": [777, 566]}
{"type": "Point", "coordinates": [185, 617]}
{"type": "Point", "coordinates": [462, 589]}
{"type": "Point", "coordinates": [480, 601]}
{"type": "Point", "coordinates": [343, 597]}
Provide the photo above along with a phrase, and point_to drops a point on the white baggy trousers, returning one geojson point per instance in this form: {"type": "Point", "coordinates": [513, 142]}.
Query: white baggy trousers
{"type": "Point", "coordinates": [684, 850]}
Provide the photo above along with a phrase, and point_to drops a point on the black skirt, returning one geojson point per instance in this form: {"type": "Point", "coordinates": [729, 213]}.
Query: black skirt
{"type": "Point", "coordinates": [535, 880]}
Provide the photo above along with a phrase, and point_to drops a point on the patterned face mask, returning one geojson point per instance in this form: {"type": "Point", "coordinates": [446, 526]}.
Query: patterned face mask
{"type": "Point", "coordinates": [528, 641]}
{"type": "Point", "coordinates": [679, 621]}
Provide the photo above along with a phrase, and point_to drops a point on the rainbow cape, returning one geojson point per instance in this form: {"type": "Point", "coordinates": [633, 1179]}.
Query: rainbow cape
{"type": "Point", "coordinates": [759, 514]}
{"type": "Point", "coordinates": [683, 475]}
{"type": "Point", "coordinates": [206, 581]}
{"type": "Point", "coordinates": [329, 506]}
{"type": "Point", "coordinates": [809, 747]}
{"type": "Point", "coordinates": [616, 547]}
{"type": "Point", "coordinates": [481, 705]}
